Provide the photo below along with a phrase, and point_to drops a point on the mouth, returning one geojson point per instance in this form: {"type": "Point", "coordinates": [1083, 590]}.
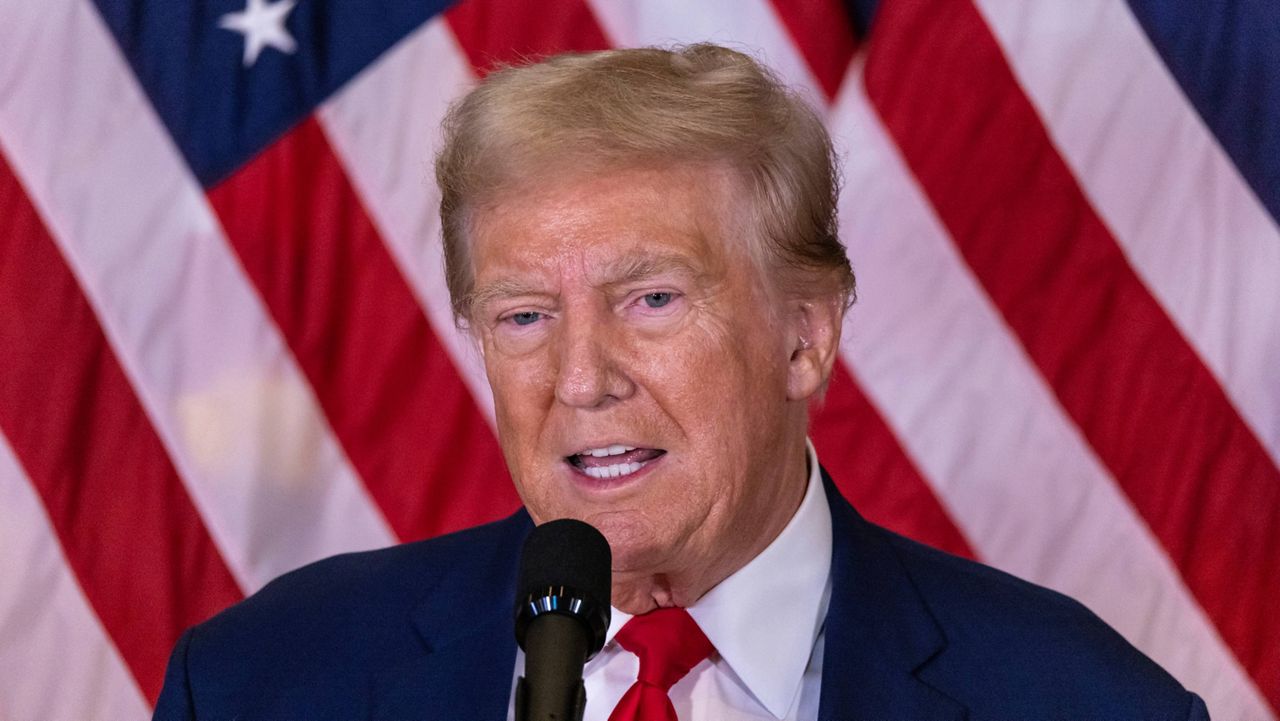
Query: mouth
{"type": "Point", "coordinates": [613, 461]}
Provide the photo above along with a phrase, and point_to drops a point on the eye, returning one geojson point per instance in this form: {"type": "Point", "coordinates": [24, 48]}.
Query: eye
{"type": "Point", "coordinates": [658, 299]}
{"type": "Point", "coordinates": [526, 317]}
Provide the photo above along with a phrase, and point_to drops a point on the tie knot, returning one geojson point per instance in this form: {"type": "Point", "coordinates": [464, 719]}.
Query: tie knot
{"type": "Point", "coordinates": [668, 643]}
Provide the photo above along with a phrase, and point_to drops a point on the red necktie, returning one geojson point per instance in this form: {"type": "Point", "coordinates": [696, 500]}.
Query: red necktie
{"type": "Point", "coordinates": [669, 644]}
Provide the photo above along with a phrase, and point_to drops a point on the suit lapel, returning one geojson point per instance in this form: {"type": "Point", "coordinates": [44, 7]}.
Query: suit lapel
{"type": "Point", "coordinates": [469, 650]}
{"type": "Point", "coordinates": [879, 632]}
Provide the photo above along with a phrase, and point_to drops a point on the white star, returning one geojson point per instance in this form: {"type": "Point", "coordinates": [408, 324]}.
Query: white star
{"type": "Point", "coordinates": [262, 25]}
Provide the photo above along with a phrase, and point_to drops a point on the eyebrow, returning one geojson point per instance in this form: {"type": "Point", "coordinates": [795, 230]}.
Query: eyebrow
{"type": "Point", "coordinates": [634, 268]}
{"type": "Point", "coordinates": [630, 269]}
{"type": "Point", "coordinates": [499, 289]}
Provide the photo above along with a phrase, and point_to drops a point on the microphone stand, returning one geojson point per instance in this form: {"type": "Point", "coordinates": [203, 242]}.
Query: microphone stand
{"type": "Point", "coordinates": [559, 632]}
{"type": "Point", "coordinates": [574, 713]}
{"type": "Point", "coordinates": [552, 688]}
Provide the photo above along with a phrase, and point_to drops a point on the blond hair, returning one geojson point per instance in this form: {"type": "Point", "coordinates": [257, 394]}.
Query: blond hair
{"type": "Point", "coordinates": [616, 108]}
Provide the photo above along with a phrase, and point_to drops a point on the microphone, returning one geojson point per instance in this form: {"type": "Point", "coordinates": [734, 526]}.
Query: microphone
{"type": "Point", "coordinates": [562, 613]}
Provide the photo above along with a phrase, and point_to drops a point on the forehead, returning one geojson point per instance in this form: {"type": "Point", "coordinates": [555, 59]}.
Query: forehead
{"type": "Point", "coordinates": [627, 220]}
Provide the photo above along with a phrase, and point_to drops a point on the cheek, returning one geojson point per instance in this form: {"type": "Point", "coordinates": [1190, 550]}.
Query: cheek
{"type": "Point", "coordinates": [738, 356]}
{"type": "Point", "coordinates": [741, 396]}
{"type": "Point", "coordinates": [515, 378]}
{"type": "Point", "coordinates": [685, 372]}
{"type": "Point", "coordinates": [717, 379]}
{"type": "Point", "coordinates": [521, 397]}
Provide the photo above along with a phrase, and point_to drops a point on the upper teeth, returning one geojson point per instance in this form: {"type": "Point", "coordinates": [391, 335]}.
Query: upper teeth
{"type": "Point", "coordinates": [614, 450]}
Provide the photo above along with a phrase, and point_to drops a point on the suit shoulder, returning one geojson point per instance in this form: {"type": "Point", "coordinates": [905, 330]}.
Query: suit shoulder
{"type": "Point", "coordinates": [346, 610]}
{"type": "Point", "coordinates": [950, 582]}
{"type": "Point", "coordinates": [366, 578]}
{"type": "Point", "coordinates": [1016, 634]}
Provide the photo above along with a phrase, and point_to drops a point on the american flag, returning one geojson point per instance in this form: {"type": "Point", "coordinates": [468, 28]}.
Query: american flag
{"type": "Point", "coordinates": [226, 347]}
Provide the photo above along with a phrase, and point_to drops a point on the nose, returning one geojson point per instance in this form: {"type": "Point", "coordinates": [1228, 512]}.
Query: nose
{"type": "Point", "coordinates": [589, 374]}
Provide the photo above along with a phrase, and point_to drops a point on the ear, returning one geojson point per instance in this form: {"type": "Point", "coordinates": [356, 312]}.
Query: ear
{"type": "Point", "coordinates": [814, 329]}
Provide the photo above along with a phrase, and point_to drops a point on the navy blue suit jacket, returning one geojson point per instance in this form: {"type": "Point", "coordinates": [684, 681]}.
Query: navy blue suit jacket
{"type": "Point", "coordinates": [424, 631]}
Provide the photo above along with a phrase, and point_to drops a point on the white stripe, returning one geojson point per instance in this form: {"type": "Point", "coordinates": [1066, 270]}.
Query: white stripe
{"type": "Point", "coordinates": [56, 661]}
{"type": "Point", "coordinates": [1190, 225]}
{"type": "Point", "coordinates": [385, 126]}
{"type": "Point", "coordinates": [1012, 470]}
{"type": "Point", "coordinates": [232, 408]}
{"type": "Point", "coordinates": [748, 25]}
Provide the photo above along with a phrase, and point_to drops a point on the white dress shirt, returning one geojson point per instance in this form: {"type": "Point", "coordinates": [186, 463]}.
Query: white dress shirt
{"type": "Point", "coordinates": [765, 621]}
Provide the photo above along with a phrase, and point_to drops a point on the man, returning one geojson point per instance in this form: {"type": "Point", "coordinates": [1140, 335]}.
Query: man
{"type": "Point", "coordinates": [643, 244]}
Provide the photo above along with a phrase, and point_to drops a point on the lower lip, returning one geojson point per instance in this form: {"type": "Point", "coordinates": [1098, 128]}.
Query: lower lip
{"type": "Point", "coordinates": [602, 484]}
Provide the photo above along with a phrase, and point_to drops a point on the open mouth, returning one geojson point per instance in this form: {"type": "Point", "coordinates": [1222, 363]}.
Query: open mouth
{"type": "Point", "coordinates": [613, 461]}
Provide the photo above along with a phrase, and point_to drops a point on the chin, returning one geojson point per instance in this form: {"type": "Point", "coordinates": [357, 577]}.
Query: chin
{"type": "Point", "coordinates": [632, 542]}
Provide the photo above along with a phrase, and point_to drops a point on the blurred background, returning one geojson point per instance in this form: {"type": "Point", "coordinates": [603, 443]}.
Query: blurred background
{"type": "Point", "coordinates": [226, 348]}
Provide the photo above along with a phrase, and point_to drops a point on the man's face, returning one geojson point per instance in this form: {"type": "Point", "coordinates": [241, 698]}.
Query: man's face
{"type": "Point", "coordinates": [639, 366]}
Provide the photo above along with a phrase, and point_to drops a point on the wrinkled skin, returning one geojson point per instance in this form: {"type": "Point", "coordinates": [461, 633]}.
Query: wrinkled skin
{"type": "Point", "coordinates": [623, 308]}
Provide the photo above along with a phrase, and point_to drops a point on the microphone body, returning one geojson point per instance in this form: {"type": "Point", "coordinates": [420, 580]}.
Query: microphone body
{"type": "Point", "coordinates": [562, 613]}
{"type": "Point", "coordinates": [551, 688]}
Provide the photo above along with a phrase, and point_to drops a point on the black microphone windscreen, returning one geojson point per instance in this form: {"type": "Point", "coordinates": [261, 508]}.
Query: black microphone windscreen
{"type": "Point", "coordinates": [561, 616]}
{"type": "Point", "coordinates": [566, 552]}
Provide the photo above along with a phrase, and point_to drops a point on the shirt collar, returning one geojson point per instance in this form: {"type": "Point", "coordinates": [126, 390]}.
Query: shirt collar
{"type": "Point", "coordinates": [765, 618]}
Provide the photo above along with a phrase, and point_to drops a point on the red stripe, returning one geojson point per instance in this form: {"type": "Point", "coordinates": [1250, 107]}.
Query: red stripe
{"type": "Point", "coordinates": [130, 534]}
{"type": "Point", "coordinates": [874, 472]}
{"type": "Point", "coordinates": [1147, 405]}
{"type": "Point", "coordinates": [822, 31]}
{"type": "Point", "coordinates": [494, 32]}
{"type": "Point", "coordinates": [390, 391]}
